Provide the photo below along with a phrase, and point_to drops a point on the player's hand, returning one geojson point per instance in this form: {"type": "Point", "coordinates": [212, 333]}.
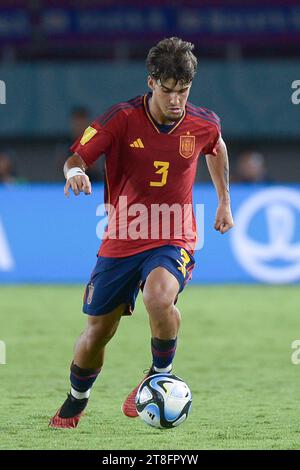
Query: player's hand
{"type": "Point", "coordinates": [224, 220]}
{"type": "Point", "coordinates": [79, 184]}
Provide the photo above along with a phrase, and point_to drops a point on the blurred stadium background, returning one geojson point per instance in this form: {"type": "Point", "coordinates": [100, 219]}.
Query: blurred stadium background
{"type": "Point", "coordinates": [65, 62]}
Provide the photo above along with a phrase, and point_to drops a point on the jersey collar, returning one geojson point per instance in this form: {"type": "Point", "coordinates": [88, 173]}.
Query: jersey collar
{"type": "Point", "coordinates": [152, 120]}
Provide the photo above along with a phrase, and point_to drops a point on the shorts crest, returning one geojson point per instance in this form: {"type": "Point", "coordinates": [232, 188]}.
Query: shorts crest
{"type": "Point", "coordinates": [90, 293]}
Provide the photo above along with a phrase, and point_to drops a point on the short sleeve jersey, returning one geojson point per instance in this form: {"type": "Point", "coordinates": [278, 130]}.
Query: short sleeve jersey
{"type": "Point", "coordinates": [149, 174]}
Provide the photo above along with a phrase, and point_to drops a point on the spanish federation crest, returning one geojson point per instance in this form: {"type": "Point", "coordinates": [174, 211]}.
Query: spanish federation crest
{"type": "Point", "coordinates": [187, 145]}
{"type": "Point", "coordinates": [90, 293]}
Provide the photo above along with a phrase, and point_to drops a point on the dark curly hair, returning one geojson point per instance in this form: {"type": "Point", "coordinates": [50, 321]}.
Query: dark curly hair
{"type": "Point", "coordinates": [172, 58]}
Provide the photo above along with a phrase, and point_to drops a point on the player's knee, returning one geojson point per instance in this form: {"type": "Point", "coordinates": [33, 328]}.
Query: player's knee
{"type": "Point", "coordinates": [158, 300]}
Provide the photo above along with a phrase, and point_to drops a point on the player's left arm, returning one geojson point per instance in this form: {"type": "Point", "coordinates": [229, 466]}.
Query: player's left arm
{"type": "Point", "coordinates": [218, 167]}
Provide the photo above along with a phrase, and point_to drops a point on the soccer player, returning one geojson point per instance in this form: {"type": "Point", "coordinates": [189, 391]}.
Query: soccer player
{"type": "Point", "coordinates": [152, 144]}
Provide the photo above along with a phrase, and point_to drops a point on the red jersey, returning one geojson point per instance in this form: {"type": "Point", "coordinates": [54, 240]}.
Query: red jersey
{"type": "Point", "coordinates": [150, 171]}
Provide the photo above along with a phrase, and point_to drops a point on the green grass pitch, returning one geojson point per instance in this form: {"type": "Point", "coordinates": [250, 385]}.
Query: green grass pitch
{"type": "Point", "coordinates": [234, 351]}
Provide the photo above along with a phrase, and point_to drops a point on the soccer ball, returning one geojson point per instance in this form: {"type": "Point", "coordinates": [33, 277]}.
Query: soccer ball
{"type": "Point", "coordinates": [163, 401]}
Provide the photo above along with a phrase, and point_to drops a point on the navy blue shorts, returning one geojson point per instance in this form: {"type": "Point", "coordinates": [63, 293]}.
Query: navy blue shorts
{"type": "Point", "coordinates": [115, 281]}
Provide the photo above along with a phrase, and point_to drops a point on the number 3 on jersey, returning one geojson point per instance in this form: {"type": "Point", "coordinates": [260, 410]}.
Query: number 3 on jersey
{"type": "Point", "coordinates": [163, 168]}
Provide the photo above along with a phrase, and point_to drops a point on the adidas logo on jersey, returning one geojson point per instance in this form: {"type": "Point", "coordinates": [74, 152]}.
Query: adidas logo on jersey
{"type": "Point", "coordinates": [137, 144]}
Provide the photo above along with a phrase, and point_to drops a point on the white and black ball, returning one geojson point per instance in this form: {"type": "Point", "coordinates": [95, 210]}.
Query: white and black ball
{"type": "Point", "coordinates": [163, 401]}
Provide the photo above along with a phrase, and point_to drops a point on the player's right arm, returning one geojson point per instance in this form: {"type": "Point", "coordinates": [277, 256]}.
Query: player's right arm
{"type": "Point", "coordinates": [86, 150]}
{"type": "Point", "coordinates": [96, 140]}
{"type": "Point", "coordinates": [76, 179]}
